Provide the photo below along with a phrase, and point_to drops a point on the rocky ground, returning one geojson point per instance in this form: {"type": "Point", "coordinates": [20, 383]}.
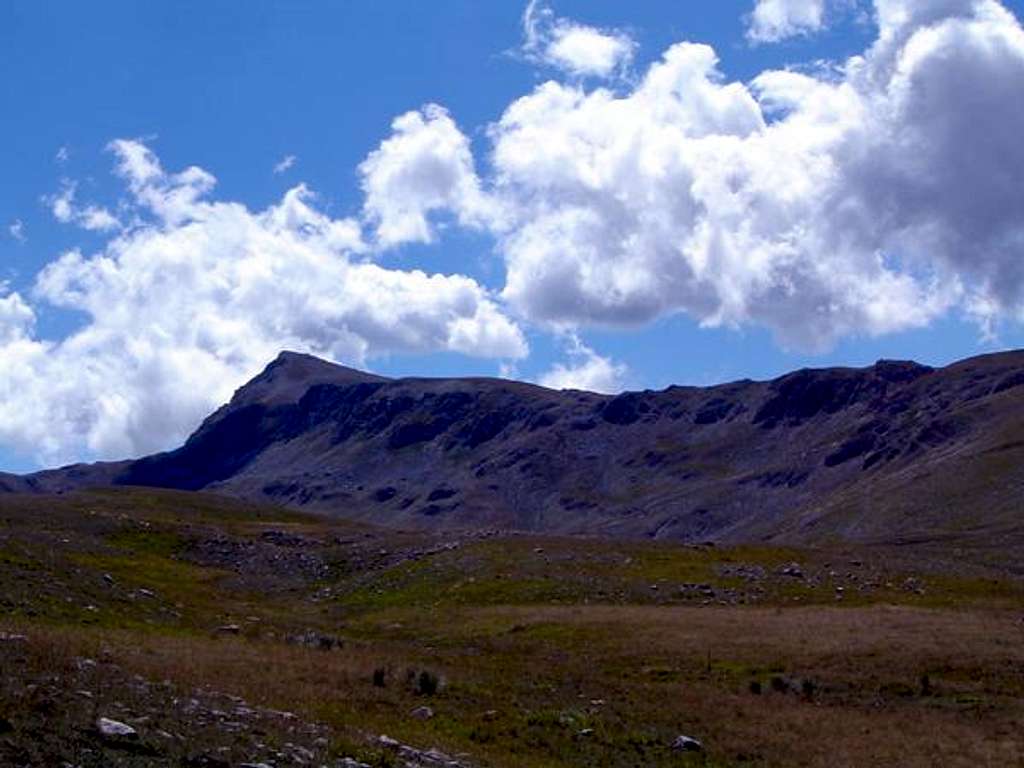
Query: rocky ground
{"type": "Point", "coordinates": [83, 712]}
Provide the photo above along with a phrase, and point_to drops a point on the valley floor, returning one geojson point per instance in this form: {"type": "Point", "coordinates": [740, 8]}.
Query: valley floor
{"type": "Point", "coordinates": [223, 634]}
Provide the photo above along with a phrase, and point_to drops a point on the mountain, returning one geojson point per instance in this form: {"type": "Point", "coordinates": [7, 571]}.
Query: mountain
{"type": "Point", "coordinates": [897, 452]}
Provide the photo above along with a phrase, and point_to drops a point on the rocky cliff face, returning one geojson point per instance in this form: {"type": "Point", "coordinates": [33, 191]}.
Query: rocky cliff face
{"type": "Point", "coordinates": [889, 452]}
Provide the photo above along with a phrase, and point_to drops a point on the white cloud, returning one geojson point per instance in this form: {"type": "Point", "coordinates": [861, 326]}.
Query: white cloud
{"type": "Point", "coordinates": [775, 20]}
{"type": "Point", "coordinates": [577, 49]}
{"type": "Point", "coordinates": [16, 317]}
{"type": "Point", "coordinates": [865, 199]}
{"type": "Point", "coordinates": [817, 205]}
{"type": "Point", "coordinates": [586, 370]}
{"type": "Point", "coordinates": [62, 156]}
{"type": "Point", "coordinates": [61, 204]}
{"type": "Point", "coordinates": [194, 298]}
{"type": "Point", "coordinates": [424, 167]}
{"type": "Point", "coordinates": [16, 229]}
{"type": "Point", "coordinates": [91, 217]}
{"type": "Point", "coordinates": [285, 164]}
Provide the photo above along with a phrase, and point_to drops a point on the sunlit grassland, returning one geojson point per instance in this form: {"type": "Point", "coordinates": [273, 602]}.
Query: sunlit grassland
{"type": "Point", "coordinates": [552, 651]}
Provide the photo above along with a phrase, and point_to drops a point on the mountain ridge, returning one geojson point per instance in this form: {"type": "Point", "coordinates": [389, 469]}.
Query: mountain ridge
{"type": "Point", "coordinates": [871, 453]}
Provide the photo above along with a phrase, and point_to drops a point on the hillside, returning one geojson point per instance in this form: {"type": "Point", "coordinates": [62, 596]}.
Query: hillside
{"type": "Point", "coordinates": [895, 452]}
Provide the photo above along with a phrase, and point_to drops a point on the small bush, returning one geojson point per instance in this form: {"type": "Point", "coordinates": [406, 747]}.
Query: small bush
{"type": "Point", "coordinates": [755, 687]}
{"type": "Point", "coordinates": [427, 683]}
{"type": "Point", "coordinates": [380, 676]}
{"type": "Point", "coordinates": [423, 682]}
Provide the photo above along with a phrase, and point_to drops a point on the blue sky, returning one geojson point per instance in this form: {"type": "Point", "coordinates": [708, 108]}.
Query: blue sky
{"type": "Point", "coordinates": [236, 88]}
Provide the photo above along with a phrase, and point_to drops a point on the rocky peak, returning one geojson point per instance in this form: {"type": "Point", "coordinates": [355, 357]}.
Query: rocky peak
{"type": "Point", "coordinates": [291, 374]}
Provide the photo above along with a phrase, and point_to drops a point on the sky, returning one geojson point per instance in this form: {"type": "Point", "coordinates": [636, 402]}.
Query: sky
{"type": "Point", "coordinates": [583, 194]}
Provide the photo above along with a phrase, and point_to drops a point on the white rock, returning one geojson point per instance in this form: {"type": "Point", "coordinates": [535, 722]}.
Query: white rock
{"type": "Point", "coordinates": [115, 729]}
{"type": "Point", "coordinates": [388, 742]}
{"type": "Point", "coordinates": [687, 744]}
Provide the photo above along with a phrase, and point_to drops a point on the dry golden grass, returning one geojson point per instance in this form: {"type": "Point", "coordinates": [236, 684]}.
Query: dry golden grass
{"type": "Point", "coordinates": [656, 671]}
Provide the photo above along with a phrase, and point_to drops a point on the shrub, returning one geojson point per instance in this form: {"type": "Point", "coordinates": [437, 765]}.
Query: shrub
{"type": "Point", "coordinates": [423, 682]}
{"type": "Point", "coordinates": [926, 685]}
{"type": "Point", "coordinates": [427, 683]}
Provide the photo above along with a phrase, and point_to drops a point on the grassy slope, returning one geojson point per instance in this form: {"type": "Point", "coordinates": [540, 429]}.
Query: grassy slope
{"type": "Point", "coordinates": [553, 652]}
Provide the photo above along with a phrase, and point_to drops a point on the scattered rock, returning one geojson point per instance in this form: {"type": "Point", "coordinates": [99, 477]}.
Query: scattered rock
{"type": "Point", "coordinates": [387, 742]}
{"type": "Point", "coordinates": [114, 729]}
{"type": "Point", "coordinates": [422, 713]}
{"type": "Point", "coordinates": [793, 570]}
{"type": "Point", "coordinates": [301, 754]}
{"type": "Point", "coordinates": [687, 744]}
{"type": "Point", "coordinates": [312, 639]}
{"type": "Point", "coordinates": [229, 629]}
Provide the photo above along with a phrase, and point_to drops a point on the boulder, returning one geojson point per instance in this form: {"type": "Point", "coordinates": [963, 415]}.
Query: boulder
{"type": "Point", "coordinates": [687, 744]}
{"type": "Point", "coordinates": [114, 729]}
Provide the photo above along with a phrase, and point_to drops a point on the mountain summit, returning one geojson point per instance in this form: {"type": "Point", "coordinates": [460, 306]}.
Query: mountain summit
{"type": "Point", "coordinates": [895, 451]}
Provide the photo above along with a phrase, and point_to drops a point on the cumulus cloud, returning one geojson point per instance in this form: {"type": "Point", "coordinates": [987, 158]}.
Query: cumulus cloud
{"type": "Point", "coordinates": [194, 297]}
{"type": "Point", "coordinates": [866, 201]}
{"type": "Point", "coordinates": [16, 229]}
{"type": "Point", "coordinates": [16, 317]}
{"type": "Point", "coordinates": [425, 166]}
{"type": "Point", "coordinates": [284, 164]}
{"type": "Point", "coordinates": [62, 156]}
{"type": "Point", "coordinates": [91, 217]}
{"type": "Point", "coordinates": [577, 49]}
{"type": "Point", "coordinates": [775, 20]}
{"type": "Point", "coordinates": [586, 370]}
